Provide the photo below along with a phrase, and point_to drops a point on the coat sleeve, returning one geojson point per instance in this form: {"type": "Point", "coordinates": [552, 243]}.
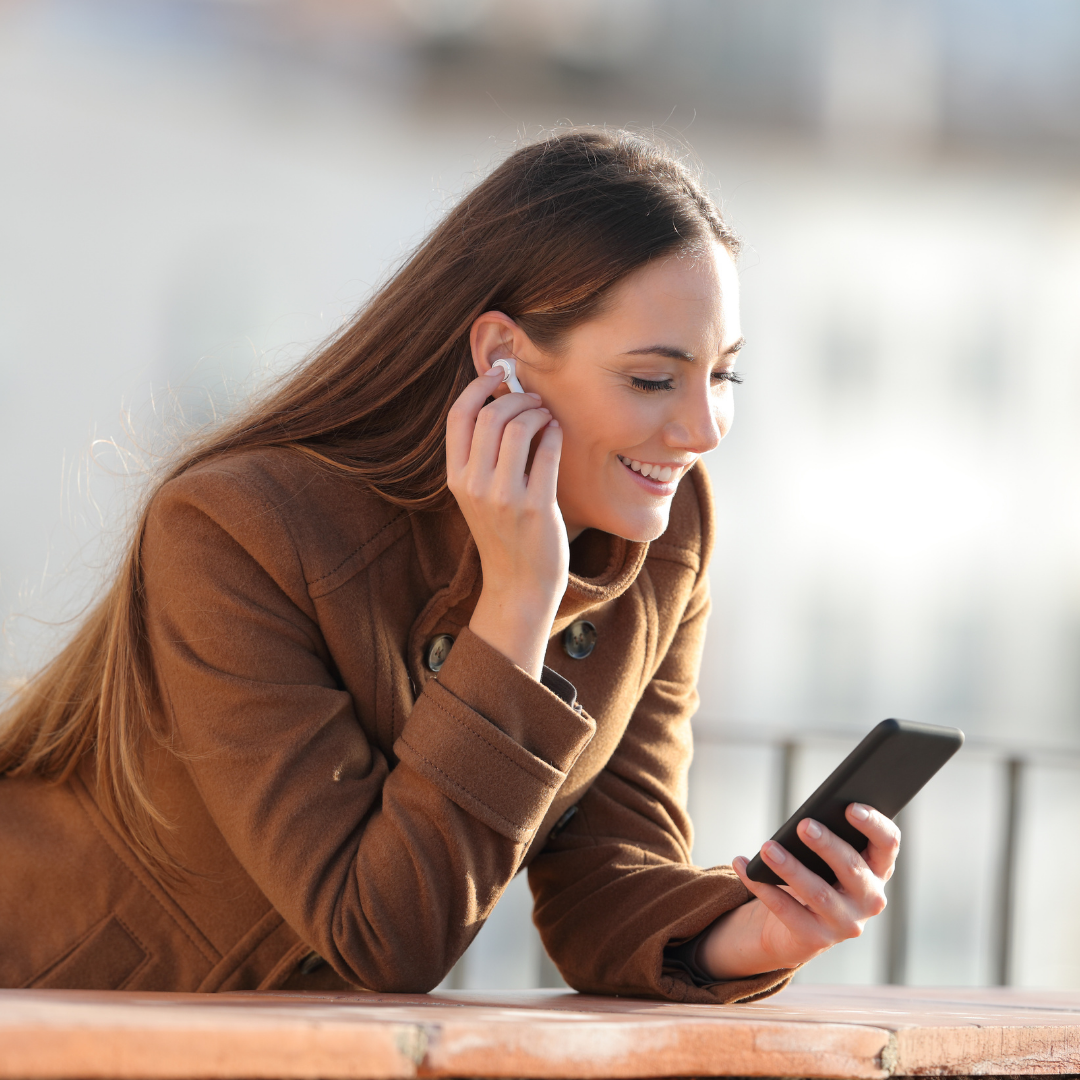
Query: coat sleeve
{"type": "Point", "coordinates": [387, 872]}
{"type": "Point", "coordinates": [617, 886]}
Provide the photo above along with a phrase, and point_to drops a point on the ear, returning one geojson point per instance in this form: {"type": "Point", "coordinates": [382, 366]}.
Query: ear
{"type": "Point", "coordinates": [495, 336]}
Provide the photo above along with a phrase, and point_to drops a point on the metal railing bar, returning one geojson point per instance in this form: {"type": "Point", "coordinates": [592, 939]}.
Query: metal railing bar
{"type": "Point", "coordinates": [1006, 899]}
{"type": "Point", "coordinates": [897, 914]}
{"type": "Point", "coordinates": [1043, 755]}
{"type": "Point", "coordinates": [785, 786]}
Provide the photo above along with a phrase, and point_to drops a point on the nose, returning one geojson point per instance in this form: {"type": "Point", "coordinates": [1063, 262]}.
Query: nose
{"type": "Point", "coordinates": [700, 423]}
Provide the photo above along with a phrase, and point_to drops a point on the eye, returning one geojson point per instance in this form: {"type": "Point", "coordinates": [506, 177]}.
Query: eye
{"type": "Point", "coordinates": [727, 376]}
{"type": "Point", "coordinates": [651, 384]}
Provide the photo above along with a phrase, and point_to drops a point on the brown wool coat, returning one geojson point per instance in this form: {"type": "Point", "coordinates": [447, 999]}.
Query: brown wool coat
{"type": "Point", "coordinates": [330, 794]}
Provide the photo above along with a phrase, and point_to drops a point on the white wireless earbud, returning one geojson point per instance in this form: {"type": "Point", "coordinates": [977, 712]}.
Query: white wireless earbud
{"type": "Point", "coordinates": [509, 375]}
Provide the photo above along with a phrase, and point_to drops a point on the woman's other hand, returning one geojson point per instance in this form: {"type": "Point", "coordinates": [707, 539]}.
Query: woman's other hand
{"type": "Point", "coordinates": [511, 509]}
{"type": "Point", "coordinates": [785, 927]}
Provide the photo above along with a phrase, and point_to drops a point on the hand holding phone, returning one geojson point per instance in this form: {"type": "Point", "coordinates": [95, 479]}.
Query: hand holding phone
{"type": "Point", "coordinates": [785, 927]}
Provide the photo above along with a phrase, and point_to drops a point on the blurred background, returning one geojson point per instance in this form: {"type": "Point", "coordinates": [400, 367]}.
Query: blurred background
{"type": "Point", "coordinates": [193, 193]}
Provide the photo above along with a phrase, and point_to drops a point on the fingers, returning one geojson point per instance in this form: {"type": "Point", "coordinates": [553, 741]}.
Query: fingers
{"type": "Point", "coordinates": [785, 907]}
{"type": "Point", "coordinates": [512, 453]}
{"type": "Point", "coordinates": [884, 837]}
{"type": "Point", "coordinates": [488, 444]}
{"type": "Point", "coordinates": [544, 475]}
{"type": "Point", "coordinates": [461, 420]}
{"type": "Point", "coordinates": [808, 888]}
{"type": "Point", "coordinates": [808, 915]}
{"type": "Point", "coordinates": [859, 891]}
{"type": "Point", "coordinates": [474, 431]}
{"type": "Point", "coordinates": [505, 418]}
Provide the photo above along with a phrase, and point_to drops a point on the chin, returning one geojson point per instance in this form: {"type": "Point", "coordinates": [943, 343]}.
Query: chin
{"type": "Point", "coordinates": [642, 527]}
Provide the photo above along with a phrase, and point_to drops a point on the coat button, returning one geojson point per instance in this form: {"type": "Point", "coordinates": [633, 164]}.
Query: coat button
{"type": "Point", "coordinates": [438, 651]}
{"type": "Point", "coordinates": [579, 639]}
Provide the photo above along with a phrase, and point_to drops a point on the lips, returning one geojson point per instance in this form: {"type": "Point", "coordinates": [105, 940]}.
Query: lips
{"type": "Point", "coordinates": [658, 472]}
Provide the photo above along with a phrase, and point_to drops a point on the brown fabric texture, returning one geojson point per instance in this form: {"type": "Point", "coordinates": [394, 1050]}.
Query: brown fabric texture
{"type": "Point", "coordinates": [330, 794]}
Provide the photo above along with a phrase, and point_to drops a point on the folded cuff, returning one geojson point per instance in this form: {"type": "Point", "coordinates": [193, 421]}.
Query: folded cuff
{"type": "Point", "coordinates": [683, 957]}
{"type": "Point", "coordinates": [541, 717]}
{"type": "Point", "coordinates": [683, 978]}
{"type": "Point", "coordinates": [493, 739]}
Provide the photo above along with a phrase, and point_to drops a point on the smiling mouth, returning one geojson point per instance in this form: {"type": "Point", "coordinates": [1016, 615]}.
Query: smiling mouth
{"type": "Point", "coordinates": [661, 474]}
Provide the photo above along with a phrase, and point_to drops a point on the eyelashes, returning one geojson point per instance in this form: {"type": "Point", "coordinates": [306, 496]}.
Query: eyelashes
{"type": "Point", "coordinates": [653, 385]}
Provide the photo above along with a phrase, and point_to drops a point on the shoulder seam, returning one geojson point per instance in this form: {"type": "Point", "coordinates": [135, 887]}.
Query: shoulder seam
{"type": "Point", "coordinates": [257, 490]}
{"type": "Point", "coordinates": [352, 554]}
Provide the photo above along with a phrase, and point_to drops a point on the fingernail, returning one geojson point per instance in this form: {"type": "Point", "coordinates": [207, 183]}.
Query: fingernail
{"type": "Point", "coordinates": [492, 372]}
{"type": "Point", "coordinates": [531, 394]}
{"type": "Point", "coordinates": [812, 829]}
{"type": "Point", "coordinates": [739, 862]}
{"type": "Point", "coordinates": [774, 852]}
{"type": "Point", "coordinates": [553, 423]}
{"type": "Point", "coordinates": [859, 811]}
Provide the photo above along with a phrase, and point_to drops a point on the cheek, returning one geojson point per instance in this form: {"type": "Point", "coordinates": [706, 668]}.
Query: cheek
{"type": "Point", "coordinates": [628, 424]}
{"type": "Point", "coordinates": [596, 430]}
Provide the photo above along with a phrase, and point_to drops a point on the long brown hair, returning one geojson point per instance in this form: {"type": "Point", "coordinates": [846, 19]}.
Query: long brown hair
{"type": "Point", "coordinates": [541, 239]}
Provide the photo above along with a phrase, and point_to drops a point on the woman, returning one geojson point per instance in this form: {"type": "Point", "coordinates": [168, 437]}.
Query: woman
{"type": "Point", "coordinates": [396, 633]}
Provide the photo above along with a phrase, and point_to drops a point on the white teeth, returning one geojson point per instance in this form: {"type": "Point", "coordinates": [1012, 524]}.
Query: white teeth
{"type": "Point", "coordinates": [663, 473]}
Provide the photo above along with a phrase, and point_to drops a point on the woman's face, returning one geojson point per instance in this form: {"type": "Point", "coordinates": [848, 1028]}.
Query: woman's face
{"type": "Point", "coordinates": [640, 392]}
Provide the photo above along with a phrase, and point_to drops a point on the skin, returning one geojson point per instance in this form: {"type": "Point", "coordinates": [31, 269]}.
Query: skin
{"type": "Point", "coordinates": [648, 380]}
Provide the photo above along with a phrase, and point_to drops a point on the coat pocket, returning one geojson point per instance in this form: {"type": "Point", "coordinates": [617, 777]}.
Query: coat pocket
{"type": "Point", "coordinates": [104, 960]}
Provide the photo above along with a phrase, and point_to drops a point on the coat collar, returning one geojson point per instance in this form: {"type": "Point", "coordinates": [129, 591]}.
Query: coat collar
{"type": "Point", "coordinates": [621, 561]}
{"type": "Point", "coordinates": [451, 565]}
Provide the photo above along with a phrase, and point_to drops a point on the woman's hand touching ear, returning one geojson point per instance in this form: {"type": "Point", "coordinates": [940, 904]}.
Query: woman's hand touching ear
{"type": "Point", "coordinates": [511, 509]}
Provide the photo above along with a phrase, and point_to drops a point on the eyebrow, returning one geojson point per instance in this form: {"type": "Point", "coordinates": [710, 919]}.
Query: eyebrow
{"type": "Point", "coordinates": [680, 354]}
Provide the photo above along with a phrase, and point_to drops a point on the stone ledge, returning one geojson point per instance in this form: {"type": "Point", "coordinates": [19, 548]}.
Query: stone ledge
{"type": "Point", "coordinates": [805, 1031]}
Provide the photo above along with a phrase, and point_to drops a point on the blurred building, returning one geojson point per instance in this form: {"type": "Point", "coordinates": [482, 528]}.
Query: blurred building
{"type": "Point", "coordinates": [194, 193]}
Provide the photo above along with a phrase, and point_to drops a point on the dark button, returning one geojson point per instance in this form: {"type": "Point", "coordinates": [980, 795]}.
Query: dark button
{"type": "Point", "coordinates": [579, 639]}
{"type": "Point", "coordinates": [438, 651]}
{"type": "Point", "coordinates": [312, 962]}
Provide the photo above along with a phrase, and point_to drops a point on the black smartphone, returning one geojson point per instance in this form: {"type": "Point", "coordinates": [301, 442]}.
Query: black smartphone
{"type": "Point", "coordinates": [886, 771]}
